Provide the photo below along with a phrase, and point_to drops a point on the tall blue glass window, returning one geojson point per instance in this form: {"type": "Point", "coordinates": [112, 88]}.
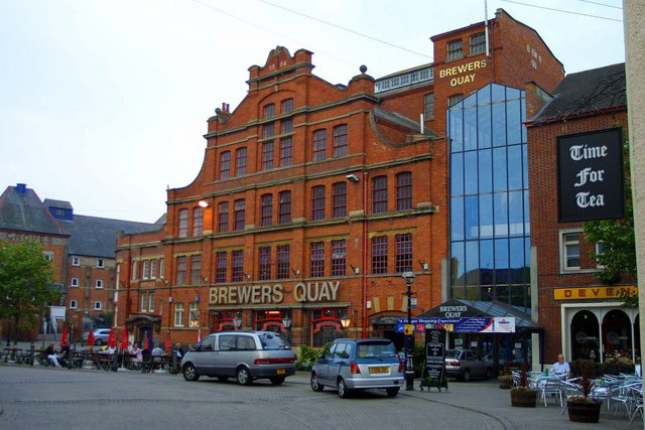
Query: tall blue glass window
{"type": "Point", "coordinates": [490, 225]}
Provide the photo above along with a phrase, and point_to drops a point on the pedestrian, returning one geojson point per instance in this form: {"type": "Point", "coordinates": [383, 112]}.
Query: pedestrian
{"type": "Point", "coordinates": [561, 368]}
{"type": "Point", "coordinates": [52, 357]}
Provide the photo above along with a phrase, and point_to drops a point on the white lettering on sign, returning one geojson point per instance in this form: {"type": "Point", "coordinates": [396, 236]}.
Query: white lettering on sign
{"type": "Point", "coordinates": [587, 200]}
{"type": "Point", "coordinates": [584, 152]}
{"type": "Point", "coordinates": [587, 174]}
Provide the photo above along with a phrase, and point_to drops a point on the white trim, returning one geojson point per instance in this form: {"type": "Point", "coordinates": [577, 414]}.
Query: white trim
{"type": "Point", "coordinates": [97, 284]}
{"type": "Point", "coordinates": [73, 304]}
{"type": "Point", "coordinates": [100, 263]}
{"type": "Point", "coordinates": [73, 284]}
{"type": "Point", "coordinates": [100, 307]}
{"type": "Point", "coordinates": [76, 261]}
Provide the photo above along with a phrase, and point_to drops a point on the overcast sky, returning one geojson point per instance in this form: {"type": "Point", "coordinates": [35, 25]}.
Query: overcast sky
{"type": "Point", "coordinates": [103, 103]}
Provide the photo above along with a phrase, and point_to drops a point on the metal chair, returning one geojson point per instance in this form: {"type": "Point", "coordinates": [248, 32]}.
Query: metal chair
{"type": "Point", "coordinates": [550, 387]}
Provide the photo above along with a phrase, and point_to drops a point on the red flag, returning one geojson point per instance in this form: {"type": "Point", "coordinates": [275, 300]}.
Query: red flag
{"type": "Point", "coordinates": [64, 338]}
{"type": "Point", "coordinates": [90, 338]}
{"type": "Point", "coordinates": [112, 338]}
{"type": "Point", "coordinates": [124, 339]}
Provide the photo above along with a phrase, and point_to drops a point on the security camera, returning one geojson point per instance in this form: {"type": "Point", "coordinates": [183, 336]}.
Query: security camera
{"type": "Point", "coordinates": [352, 177]}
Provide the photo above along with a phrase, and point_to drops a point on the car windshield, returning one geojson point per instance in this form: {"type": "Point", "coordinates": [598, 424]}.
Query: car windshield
{"type": "Point", "coordinates": [375, 350]}
{"type": "Point", "coordinates": [273, 341]}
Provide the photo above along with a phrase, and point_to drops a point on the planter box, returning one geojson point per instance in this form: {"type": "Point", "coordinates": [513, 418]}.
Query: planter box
{"type": "Point", "coordinates": [523, 398]}
{"type": "Point", "coordinates": [582, 412]}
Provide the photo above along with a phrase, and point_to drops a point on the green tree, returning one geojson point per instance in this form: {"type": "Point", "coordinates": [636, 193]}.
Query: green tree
{"type": "Point", "coordinates": [25, 284]}
{"type": "Point", "coordinates": [616, 235]}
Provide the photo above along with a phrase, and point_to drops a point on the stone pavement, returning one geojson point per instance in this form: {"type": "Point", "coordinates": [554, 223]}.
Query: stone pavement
{"type": "Point", "coordinates": [80, 399]}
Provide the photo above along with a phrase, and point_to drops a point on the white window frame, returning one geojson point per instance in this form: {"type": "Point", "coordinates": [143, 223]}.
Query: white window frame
{"type": "Point", "coordinates": [153, 265]}
{"type": "Point", "coordinates": [73, 284]}
{"type": "Point", "coordinates": [145, 269]}
{"type": "Point", "coordinates": [73, 304]}
{"type": "Point", "coordinates": [597, 252]}
{"type": "Point", "coordinates": [100, 306]}
{"type": "Point", "coordinates": [100, 263]}
{"type": "Point", "coordinates": [162, 267]}
{"type": "Point", "coordinates": [144, 301]}
{"type": "Point", "coordinates": [151, 301]}
{"type": "Point", "coordinates": [76, 261]}
{"type": "Point", "coordinates": [49, 255]}
{"type": "Point", "coordinates": [99, 284]}
{"type": "Point", "coordinates": [179, 311]}
{"type": "Point", "coordinates": [563, 254]}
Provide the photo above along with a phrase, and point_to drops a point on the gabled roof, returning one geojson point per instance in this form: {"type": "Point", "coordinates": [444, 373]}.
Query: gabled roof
{"type": "Point", "coordinates": [96, 237]}
{"type": "Point", "coordinates": [22, 210]}
{"type": "Point", "coordinates": [585, 93]}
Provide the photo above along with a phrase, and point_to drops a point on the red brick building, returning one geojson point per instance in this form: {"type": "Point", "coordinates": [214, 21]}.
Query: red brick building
{"type": "Point", "coordinates": [581, 316]}
{"type": "Point", "coordinates": [314, 197]}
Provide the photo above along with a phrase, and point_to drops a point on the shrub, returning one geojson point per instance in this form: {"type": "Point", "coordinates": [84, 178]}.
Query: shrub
{"type": "Point", "coordinates": [307, 357]}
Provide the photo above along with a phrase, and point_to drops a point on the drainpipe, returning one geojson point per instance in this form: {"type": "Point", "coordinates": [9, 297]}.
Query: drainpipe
{"type": "Point", "coordinates": [364, 277]}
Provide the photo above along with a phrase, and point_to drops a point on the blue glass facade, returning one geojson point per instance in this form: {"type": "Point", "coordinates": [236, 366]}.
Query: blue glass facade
{"type": "Point", "coordinates": [490, 227]}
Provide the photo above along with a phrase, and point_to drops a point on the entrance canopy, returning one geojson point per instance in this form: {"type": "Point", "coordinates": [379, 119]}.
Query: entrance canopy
{"type": "Point", "coordinates": [472, 316]}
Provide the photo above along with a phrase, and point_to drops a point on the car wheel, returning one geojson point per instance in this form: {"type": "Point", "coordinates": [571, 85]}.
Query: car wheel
{"type": "Point", "coordinates": [243, 376]}
{"type": "Point", "coordinates": [315, 384]}
{"type": "Point", "coordinates": [392, 392]}
{"type": "Point", "coordinates": [343, 391]}
{"type": "Point", "coordinates": [190, 373]}
{"type": "Point", "coordinates": [466, 375]}
{"type": "Point", "coordinates": [222, 379]}
{"type": "Point", "coordinates": [278, 380]}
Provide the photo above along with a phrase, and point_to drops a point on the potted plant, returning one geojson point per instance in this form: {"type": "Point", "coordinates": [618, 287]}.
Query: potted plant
{"type": "Point", "coordinates": [523, 396]}
{"type": "Point", "coordinates": [582, 408]}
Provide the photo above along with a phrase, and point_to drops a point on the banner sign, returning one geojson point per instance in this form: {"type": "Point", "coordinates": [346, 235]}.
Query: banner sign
{"type": "Point", "coordinates": [590, 176]}
{"type": "Point", "coordinates": [595, 293]}
{"type": "Point", "coordinates": [434, 374]}
{"type": "Point", "coordinates": [463, 325]}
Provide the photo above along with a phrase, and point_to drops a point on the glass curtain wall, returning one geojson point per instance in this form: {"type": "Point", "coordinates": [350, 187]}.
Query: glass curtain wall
{"type": "Point", "coordinates": [490, 226]}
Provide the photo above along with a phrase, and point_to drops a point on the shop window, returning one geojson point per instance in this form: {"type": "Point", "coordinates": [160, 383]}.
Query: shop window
{"type": "Point", "coordinates": [237, 265]}
{"type": "Point", "coordinates": [179, 315]}
{"type": "Point", "coordinates": [403, 252]}
{"type": "Point", "coordinates": [283, 262]}
{"type": "Point", "coordinates": [264, 263]}
{"type": "Point", "coordinates": [428, 106]}
{"type": "Point", "coordinates": [195, 269]}
{"type": "Point", "coordinates": [318, 202]}
{"type": "Point", "coordinates": [455, 50]}
{"type": "Point", "coordinates": [339, 199]}
{"type": "Point", "coordinates": [379, 194]}
{"type": "Point", "coordinates": [338, 257]}
{"type": "Point", "coordinates": [477, 43]}
{"type": "Point", "coordinates": [240, 208]}
{"type": "Point", "coordinates": [198, 221]}
{"type": "Point", "coordinates": [404, 191]}
{"type": "Point", "coordinates": [266, 210]}
{"type": "Point", "coordinates": [285, 207]}
{"type": "Point", "coordinates": [220, 266]}
{"type": "Point", "coordinates": [320, 145]}
{"type": "Point", "coordinates": [267, 155]}
{"type": "Point", "coordinates": [379, 254]}
{"type": "Point", "coordinates": [225, 165]}
{"type": "Point", "coordinates": [340, 140]}
{"type": "Point", "coordinates": [181, 271]}
{"type": "Point", "coordinates": [222, 217]}
{"type": "Point", "coordinates": [585, 343]}
{"type": "Point", "coordinates": [286, 151]}
{"type": "Point", "coordinates": [240, 161]}
{"type": "Point", "coordinates": [183, 223]}
{"type": "Point", "coordinates": [570, 250]}
{"type": "Point", "coordinates": [286, 106]}
{"type": "Point", "coordinates": [317, 259]}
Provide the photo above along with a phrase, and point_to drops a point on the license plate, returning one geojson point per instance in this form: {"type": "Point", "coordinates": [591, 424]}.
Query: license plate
{"type": "Point", "coordinates": [280, 371]}
{"type": "Point", "coordinates": [379, 370]}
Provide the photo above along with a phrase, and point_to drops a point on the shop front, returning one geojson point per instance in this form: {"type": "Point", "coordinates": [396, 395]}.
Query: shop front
{"type": "Point", "coordinates": [143, 326]}
{"type": "Point", "coordinates": [601, 327]}
{"type": "Point", "coordinates": [306, 313]}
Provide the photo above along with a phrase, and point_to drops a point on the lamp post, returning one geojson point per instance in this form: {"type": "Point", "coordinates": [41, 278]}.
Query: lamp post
{"type": "Point", "coordinates": [286, 322]}
{"type": "Point", "coordinates": [409, 336]}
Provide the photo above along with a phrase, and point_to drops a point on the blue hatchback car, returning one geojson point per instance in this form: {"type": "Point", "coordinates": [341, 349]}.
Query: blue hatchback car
{"type": "Point", "coordinates": [358, 364]}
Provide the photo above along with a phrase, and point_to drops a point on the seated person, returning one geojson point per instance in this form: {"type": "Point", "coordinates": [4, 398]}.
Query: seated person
{"type": "Point", "coordinates": [51, 355]}
{"type": "Point", "coordinates": [561, 368]}
{"type": "Point", "coordinates": [157, 351]}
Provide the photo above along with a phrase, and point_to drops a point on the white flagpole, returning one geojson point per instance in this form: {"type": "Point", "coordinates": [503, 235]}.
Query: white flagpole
{"type": "Point", "coordinates": [486, 27]}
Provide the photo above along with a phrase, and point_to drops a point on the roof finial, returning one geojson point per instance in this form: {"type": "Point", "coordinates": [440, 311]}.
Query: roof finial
{"type": "Point", "coordinates": [363, 68]}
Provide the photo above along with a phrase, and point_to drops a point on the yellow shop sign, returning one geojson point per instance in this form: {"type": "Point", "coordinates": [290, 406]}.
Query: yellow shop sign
{"type": "Point", "coordinates": [594, 293]}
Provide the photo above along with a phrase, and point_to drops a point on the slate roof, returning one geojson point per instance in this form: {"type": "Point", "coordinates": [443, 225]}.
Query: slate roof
{"type": "Point", "coordinates": [96, 237]}
{"type": "Point", "coordinates": [400, 120]}
{"type": "Point", "coordinates": [23, 211]}
{"type": "Point", "coordinates": [586, 92]}
{"type": "Point", "coordinates": [62, 204]}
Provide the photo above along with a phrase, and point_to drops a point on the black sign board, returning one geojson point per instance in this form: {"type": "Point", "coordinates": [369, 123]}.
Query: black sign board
{"type": "Point", "coordinates": [590, 175]}
{"type": "Point", "coordinates": [434, 374]}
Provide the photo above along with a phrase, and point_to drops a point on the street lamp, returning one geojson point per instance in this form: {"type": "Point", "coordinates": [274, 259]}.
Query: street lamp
{"type": "Point", "coordinates": [345, 322]}
{"type": "Point", "coordinates": [286, 322]}
{"type": "Point", "coordinates": [409, 278]}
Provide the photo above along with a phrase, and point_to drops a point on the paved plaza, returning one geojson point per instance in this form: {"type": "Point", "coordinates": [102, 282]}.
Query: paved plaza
{"type": "Point", "coordinates": [80, 399]}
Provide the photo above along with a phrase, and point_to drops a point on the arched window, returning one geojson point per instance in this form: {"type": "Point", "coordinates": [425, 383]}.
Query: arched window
{"type": "Point", "coordinates": [617, 334]}
{"type": "Point", "coordinates": [584, 336]}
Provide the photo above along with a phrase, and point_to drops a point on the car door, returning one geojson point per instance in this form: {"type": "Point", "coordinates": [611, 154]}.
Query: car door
{"type": "Point", "coordinates": [324, 363]}
{"type": "Point", "coordinates": [208, 356]}
{"type": "Point", "coordinates": [337, 363]}
{"type": "Point", "coordinates": [245, 350]}
{"type": "Point", "coordinates": [226, 357]}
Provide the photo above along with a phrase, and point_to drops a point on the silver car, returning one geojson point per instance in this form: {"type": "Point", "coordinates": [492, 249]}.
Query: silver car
{"type": "Point", "coordinates": [243, 355]}
{"type": "Point", "coordinates": [358, 364]}
{"type": "Point", "coordinates": [465, 364]}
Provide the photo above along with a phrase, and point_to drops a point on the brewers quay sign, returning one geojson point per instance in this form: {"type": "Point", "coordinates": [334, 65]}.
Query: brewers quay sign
{"type": "Point", "coordinates": [591, 175]}
{"type": "Point", "coordinates": [463, 73]}
{"type": "Point", "coordinates": [324, 291]}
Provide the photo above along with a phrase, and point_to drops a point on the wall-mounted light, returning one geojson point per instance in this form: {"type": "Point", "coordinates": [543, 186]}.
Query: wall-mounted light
{"type": "Point", "coordinates": [202, 204]}
{"type": "Point", "coordinates": [345, 322]}
{"type": "Point", "coordinates": [296, 272]}
{"type": "Point", "coordinates": [170, 299]}
{"type": "Point", "coordinates": [352, 178]}
{"type": "Point", "coordinates": [286, 322]}
{"type": "Point", "coordinates": [424, 265]}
